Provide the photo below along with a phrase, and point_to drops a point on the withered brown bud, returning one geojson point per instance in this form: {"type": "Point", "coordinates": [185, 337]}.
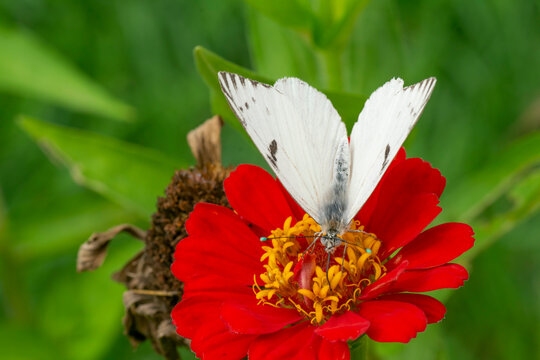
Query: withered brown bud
{"type": "Point", "coordinates": [153, 290]}
{"type": "Point", "coordinates": [203, 183]}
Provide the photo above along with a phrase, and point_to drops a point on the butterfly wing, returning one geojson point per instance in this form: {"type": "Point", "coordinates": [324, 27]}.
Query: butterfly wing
{"type": "Point", "coordinates": [297, 130]}
{"type": "Point", "coordinates": [383, 125]}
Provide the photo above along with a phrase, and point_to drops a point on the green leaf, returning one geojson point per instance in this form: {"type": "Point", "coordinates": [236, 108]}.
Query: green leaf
{"type": "Point", "coordinates": [29, 68]}
{"type": "Point", "coordinates": [523, 200]}
{"type": "Point", "coordinates": [427, 345]}
{"type": "Point", "coordinates": [64, 227]}
{"type": "Point", "coordinates": [3, 218]}
{"type": "Point", "coordinates": [186, 354]}
{"type": "Point", "coordinates": [209, 64]}
{"type": "Point", "coordinates": [295, 14]}
{"type": "Point", "coordinates": [81, 313]}
{"type": "Point", "coordinates": [348, 105]}
{"type": "Point", "coordinates": [499, 196]}
{"type": "Point", "coordinates": [498, 176]}
{"type": "Point", "coordinates": [359, 348]}
{"type": "Point", "coordinates": [15, 338]}
{"type": "Point", "coordinates": [126, 173]}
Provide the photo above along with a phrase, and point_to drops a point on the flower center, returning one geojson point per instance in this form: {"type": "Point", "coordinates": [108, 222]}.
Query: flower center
{"type": "Point", "coordinates": [304, 276]}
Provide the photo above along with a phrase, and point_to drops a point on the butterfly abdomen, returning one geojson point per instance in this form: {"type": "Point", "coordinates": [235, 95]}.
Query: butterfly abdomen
{"type": "Point", "coordinates": [336, 199]}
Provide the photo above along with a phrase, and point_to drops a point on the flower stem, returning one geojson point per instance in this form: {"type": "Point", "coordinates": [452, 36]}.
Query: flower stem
{"type": "Point", "coordinates": [359, 348]}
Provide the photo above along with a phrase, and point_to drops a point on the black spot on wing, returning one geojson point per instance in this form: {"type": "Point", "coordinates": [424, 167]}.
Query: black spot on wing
{"type": "Point", "coordinates": [386, 153]}
{"type": "Point", "coordinates": [272, 148]}
{"type": "Point", "coordinates": [253, 99]}
{"type": "Point", "coordinates": [246, 105]}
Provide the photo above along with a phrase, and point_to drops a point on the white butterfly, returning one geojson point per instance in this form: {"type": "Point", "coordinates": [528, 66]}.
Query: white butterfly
{"type": "Point", "coordinates": [304, 141]}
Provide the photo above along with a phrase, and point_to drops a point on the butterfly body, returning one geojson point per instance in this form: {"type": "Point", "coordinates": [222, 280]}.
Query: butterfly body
{"type": "Point", "coordinates": [304, 141]}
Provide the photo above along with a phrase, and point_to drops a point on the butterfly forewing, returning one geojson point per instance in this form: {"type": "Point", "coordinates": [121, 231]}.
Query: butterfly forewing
{"type": "Point", "coordinates": [383, 125]}
{"type": "Point", "coordinates": [297, 130]}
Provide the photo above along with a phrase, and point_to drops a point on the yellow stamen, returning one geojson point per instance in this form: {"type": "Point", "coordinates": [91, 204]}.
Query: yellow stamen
{"type": "Point", "coordinates": [298, 280]}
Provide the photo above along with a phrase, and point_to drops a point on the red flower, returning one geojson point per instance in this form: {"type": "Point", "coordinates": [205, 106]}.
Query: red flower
{"type": "Point", "coordinates": [274, 300]}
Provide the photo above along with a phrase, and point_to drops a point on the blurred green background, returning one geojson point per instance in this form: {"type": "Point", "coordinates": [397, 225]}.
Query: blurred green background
{"type": "Point", "coordinates": [108, 89]}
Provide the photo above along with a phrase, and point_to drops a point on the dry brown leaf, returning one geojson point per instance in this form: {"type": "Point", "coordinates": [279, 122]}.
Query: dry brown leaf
{"type": "Point", "coordinates": [205, 142]}
{"type": "Point", "coordinates": [92, 253]}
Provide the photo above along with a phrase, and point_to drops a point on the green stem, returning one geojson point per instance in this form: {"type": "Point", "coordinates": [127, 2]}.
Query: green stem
{"type": "Point", "coordinates": [333, 68]}
{"type": "Point", "coordinates": [359, 348]}
{"type": "Point", "coordinates": [15, 303]}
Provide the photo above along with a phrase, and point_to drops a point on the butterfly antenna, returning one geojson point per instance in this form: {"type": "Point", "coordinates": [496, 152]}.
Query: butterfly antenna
{"type": "Point", "coordinates": [364, 232]}
{"type": "Point", "coordinates": [264, 238]}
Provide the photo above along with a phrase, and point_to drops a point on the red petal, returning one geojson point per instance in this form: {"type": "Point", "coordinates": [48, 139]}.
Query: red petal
{"type": "Point", "coordinates": [400, 156]}
{"type": "Point", "coordinates": [257, 197]}
{"type": "Point", "coordinates": [219, 244]}
{"type": "Point", "coordinates": [415, 176]}
{"type": "Point", "coordinates": [364, 215]}
{"type": "Point", "coordinates": [334, 351]}
{"type": "Point", "coordinates": [432, 307]}
{"type": "Point", "coordinates": [193, 314]}
{"type": "Point", "coordinates": [392, 321]}
{"type": "Point", "coordinates": [436, 246]}
{"type": "Point", "coordinates": [348, 326]}
{"type": "Point", "coordinates": [222, 226]}
{"type": "Point", "coordinates": [216, 342]}
{"type": "Point", "coordinates": [226, 346]}
{"type": "Point", "coordinates": [195, 257]}
{"type": "Point", "coordinates": [405, 221]}
{"type": "Point", "coordinates": [214, 286]}
{"type": "Point", "coordinates": [198, 319]}
{"type": "Point", "coordinates": [383, 284]}
{"type": "Point", "coordinates": [449, 276]}
{"type": "Point", "coordinates": [244, 318]}
{"type": "Point", "coordinates": [404, 207]}
{"type": "Point", "coordinates": [287, 343]}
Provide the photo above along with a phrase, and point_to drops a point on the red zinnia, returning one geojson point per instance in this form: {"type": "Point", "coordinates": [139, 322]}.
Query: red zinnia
{"type": "Point", "coordinates": [268, 299]}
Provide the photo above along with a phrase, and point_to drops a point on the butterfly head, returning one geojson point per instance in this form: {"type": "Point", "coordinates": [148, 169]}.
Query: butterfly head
{"type": "Point", "coordinates": [331, 242]}
{"type": "Point", "coordinates": [332, 230]}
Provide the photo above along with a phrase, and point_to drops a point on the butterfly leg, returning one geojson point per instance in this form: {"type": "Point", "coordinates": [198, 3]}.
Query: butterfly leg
{"type": "Point", "coordinates": [343, 257]}
{"type": "Point", "coordinates": [327, 267]}
{"type": "Point", "coordinates": [312, 245]}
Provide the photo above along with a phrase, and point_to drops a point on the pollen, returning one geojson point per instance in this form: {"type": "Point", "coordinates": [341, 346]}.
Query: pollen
{"type": "Point", "coordinates": [298, 273]}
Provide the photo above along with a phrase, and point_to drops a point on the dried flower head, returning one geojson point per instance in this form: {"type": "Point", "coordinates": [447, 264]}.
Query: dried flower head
{"type": "Point", "coordinates": [152, 289]}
